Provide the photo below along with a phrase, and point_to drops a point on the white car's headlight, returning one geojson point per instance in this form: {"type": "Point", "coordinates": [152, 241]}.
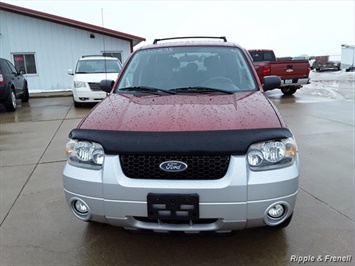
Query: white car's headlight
{"type": "Point", "coordinates": [79, 84]}
{"type": "Point", "coordinates": [85, 154]}
{"type": "Point", "coordinates": [272, 154]}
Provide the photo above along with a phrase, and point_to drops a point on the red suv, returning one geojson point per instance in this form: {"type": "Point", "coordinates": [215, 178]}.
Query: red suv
{"type": "Point", "coordinates": [186, 141]}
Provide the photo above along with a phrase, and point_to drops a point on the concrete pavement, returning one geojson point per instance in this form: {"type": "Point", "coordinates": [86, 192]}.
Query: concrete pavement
{"type": "Point", "coordinates": [37, 227]}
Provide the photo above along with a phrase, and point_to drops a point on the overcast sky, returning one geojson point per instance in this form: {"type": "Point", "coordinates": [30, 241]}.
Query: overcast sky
{"type": "Point", "coordinates": [289, 27]}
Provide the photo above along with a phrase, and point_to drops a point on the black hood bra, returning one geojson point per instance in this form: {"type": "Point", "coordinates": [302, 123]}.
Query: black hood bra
{"type": "Point", "coordinates": [186, 142]}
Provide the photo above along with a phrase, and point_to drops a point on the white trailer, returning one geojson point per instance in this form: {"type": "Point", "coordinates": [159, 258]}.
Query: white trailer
{"type": "Point", "coordinates": [347, 57]}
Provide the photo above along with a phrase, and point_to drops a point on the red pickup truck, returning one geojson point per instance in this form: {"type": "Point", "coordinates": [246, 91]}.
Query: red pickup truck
{"type": "Point", "coordinates": [293, 73]}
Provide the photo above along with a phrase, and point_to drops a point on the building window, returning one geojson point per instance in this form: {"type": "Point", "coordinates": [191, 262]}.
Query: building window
{"type": "Point", "coordinates": [25, 63]}
{"type": "Point", "coordinates": [113, 54]}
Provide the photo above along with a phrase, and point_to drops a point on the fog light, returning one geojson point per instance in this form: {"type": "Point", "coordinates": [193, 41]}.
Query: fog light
{"type": "Point", "coordinates": [81, 207]}
{"type": "Point", "coordinates": [276, 211]}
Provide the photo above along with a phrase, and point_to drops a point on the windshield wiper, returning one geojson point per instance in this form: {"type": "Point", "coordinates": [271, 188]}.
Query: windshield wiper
{"type": "Point", "coordinates": [201, 89]}
{"type": "Point", "coordinates": [145, 89]}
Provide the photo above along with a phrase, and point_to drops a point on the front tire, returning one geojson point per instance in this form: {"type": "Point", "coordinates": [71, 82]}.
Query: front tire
{"type": "Point", "coordinates": [11, 105]}
{"type": "Point", "coordinates": [288, 90]}
{"type": "Point", "coordinates": [76, 104]}
{"type": "Point", "coordinates": [26, 95]}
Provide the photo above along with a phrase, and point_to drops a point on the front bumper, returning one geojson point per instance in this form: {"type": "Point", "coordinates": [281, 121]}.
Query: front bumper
{"type": "Point", "coordinates": [238, 200]}
{"type": "Point", "coordinates": [296, 82]}
{"type": "Point", "coordinates": [86, 95]}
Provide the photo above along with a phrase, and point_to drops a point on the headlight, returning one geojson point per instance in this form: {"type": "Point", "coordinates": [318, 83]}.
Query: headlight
{"type": "Point", "coordinates": [85, 154]}
{"type": "Point", "coordinates": [272, 154]}
{"type": "Point", "coordinates": [79, 84]}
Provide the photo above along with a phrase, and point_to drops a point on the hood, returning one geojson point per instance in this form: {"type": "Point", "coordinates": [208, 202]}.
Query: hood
{"type": "Point", "coordinates": [183, 112]}
{"type": "Point", "coordinates": [95, 77]}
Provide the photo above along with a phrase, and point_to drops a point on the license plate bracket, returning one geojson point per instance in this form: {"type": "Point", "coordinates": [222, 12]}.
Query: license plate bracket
{"type": "Point", "coordinates": [181, 207]}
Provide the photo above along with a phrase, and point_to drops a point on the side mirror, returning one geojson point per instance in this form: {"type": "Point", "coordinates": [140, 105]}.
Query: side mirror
{"type": "Point", "coordinates": [106, 85]}
{"type": "Point", "coordinates": [271, 82]}
{"type": "Point", "coordinates": [70, 71]}
{"type": "Point", "coordinates": [22, 71]}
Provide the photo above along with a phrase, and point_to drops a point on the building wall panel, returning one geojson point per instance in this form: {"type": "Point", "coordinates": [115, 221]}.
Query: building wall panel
{"type": "Point", "coordinates": [56, 47]}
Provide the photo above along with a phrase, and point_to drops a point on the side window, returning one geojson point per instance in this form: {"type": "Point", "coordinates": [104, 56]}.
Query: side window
{"type": "Point", "coordinates": [257, 57]}
{"type": "Point", "coordinates": [268, 57]}
{"type": "Point", "coordinates": [25, 62]}
{"type": "Point", "coordinates": [13, 70]}
{"type": "Point", "coordinates": [113, 54]}
{"type": "Point", "coordinates": [4, 67]}
{"type": "Point", "coordinates": [262, 56]}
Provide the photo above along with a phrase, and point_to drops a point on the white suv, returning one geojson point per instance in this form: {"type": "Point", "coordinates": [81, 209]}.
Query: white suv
{"type": "Point", "coordinates": [89, 71]}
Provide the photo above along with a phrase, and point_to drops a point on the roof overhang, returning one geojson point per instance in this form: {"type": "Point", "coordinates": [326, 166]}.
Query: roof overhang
{"type": "Point", "coordinates": [134, 40]}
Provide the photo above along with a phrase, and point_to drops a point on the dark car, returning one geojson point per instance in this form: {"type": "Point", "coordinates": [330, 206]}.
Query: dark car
{"type": "Point", "coordinates": [13, 85]}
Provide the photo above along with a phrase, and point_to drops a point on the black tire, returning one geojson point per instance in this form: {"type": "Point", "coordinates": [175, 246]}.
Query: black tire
{"type": "Point", "coordinates": [288, 90]}
{"type": "Point", "coordinates": [25, 96]}
{"type": "Point", "coordinates": [76, 104]}
{"type": "Point", "coordinates": [284, 223]}
{"type": "Point", "coordinates": [11, 104]}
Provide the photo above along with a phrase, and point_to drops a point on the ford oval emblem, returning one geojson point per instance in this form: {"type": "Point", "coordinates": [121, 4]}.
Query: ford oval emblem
{"type": "Point", "coordinates": [173, 166]}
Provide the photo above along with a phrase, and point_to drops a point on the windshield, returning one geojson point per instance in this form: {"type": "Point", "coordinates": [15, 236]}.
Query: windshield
{"type": "Point", "coordinates": [189, 69]}
{"type": "Point", "coordinates": [98, 66]}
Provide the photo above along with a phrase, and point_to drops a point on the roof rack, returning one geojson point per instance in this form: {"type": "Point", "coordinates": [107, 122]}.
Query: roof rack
{"type": "Point", "coordinates": [190, 37]}
{"type": "Point", "coordinates": [96, 55]}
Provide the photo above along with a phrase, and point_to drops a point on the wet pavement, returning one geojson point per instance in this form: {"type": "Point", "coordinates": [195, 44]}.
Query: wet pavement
{"type": "Point", "coordinates": [37, 227]}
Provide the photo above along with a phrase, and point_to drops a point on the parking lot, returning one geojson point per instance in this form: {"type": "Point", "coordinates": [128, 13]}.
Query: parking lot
{"type": "Point", "coordinates": [37, 227]}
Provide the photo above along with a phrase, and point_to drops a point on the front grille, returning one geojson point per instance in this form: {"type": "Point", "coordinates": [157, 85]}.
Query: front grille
{"type": "Point", "coordinates": [94, 86]}
{"type": "Point", "coordinates": [200, 167]}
